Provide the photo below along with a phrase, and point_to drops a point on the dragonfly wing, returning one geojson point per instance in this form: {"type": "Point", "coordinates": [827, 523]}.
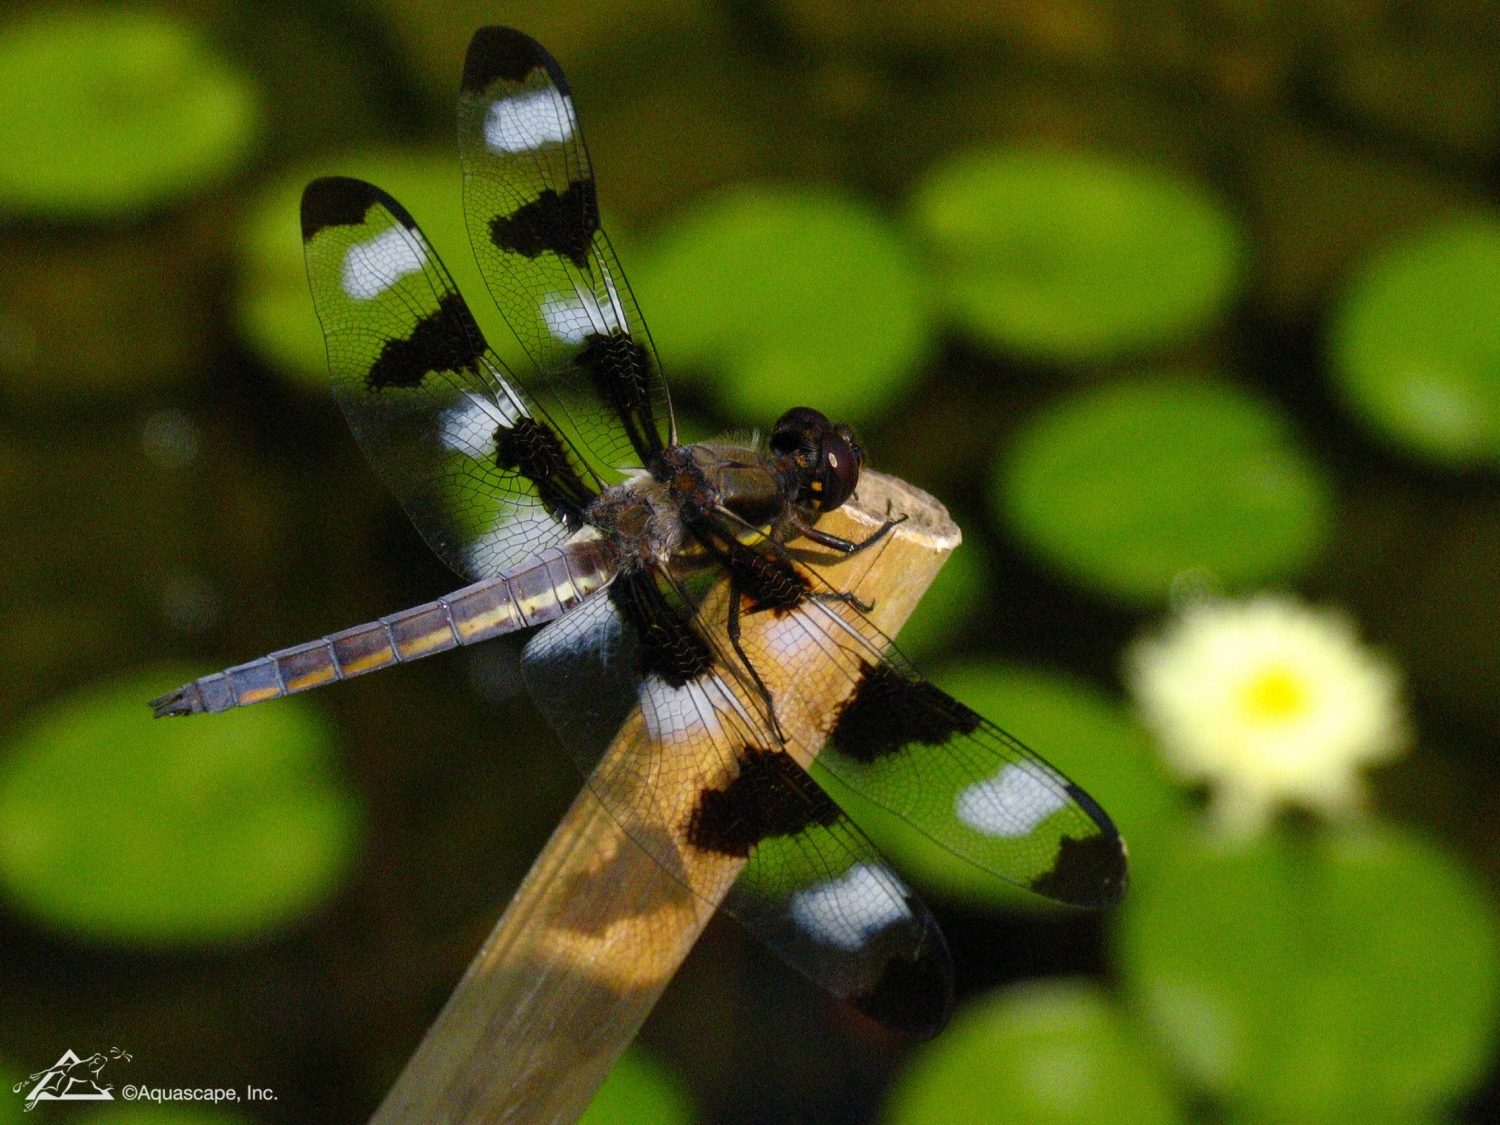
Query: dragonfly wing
{"type": "Point", "coordinates": [905, 745]}
{"type": "Point", "coordinates": [478, 467]}
{"type": "Point", "coordinates": [696, 779]}
{"type": "Point", "coordinates": [533, 219]}
{"type": "Point", "coordinates": [818, 892]}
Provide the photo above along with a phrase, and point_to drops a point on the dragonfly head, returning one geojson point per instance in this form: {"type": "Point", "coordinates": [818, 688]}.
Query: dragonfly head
{"type": "Point", "coordinates": [824, 457]}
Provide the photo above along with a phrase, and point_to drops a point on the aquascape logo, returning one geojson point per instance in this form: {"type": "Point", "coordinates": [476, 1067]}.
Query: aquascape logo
{"type": "Point", "coordinates": [70, 1079]}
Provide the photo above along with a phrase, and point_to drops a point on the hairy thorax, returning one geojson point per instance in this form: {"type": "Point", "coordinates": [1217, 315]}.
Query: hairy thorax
{"type": "Point", "coordinates": [639, 521]}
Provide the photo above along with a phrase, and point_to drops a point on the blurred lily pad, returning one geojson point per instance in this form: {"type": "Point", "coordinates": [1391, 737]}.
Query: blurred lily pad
{"type": "Point", "coordinates": [1072, 256]}
{"type": "Point", "coordinates": [274, 306]}
{"type": "Point", "coordinates": [1055, 1052]}
{"type": "Point", "coordinates": [123, 828]}
{"type": "Point", "coordinates": [639, 1091]}
{"type": "Point", "coordinates": [1071, 724]}
{"type": "Point", "coordinates": [1415, 342]}
{"type": "Point", "coordinates": [787, 296]}
{"type": "Point", "coordinates": [1126, 486]}
{"type": "Point", "coordinates": [1346, 977]}
{"type": "Point", "coordinates": [106, 111]}
{"type": "Point", "coordinates": [946, 612]}
{"type": "Point", "coordinates": [11, 1105]}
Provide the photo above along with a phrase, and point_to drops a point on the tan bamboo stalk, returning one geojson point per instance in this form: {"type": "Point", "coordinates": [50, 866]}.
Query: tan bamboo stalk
{"type": "Point", "coordinates": [596, 929]}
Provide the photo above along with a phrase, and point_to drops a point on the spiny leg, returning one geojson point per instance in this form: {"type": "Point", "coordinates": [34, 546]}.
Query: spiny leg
{"type": "Point", "coordinates": [848, 597]}
{"type": "Point", "coordinates": [833, 542]}
{"type": "Point", "coordinates": [838, 543]}
{"type": "Point", "coordinates": [734, 640]}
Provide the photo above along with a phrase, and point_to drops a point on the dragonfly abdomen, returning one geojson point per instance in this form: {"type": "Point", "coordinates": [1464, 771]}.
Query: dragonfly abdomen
{"type": "Point", "coordinates": [541, 590]}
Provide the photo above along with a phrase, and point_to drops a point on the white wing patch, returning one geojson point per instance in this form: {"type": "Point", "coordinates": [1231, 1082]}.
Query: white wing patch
{"type": "Point", "coordinates": [1009, 805]}
{"type": "Point", "coordinates": [573, 319]}
{"type": "Point", "coordinates": [849, 910]}
{"type": "Point", "coordinates": [470, 427]}
{"type": "Point", "coordinates": [528, 121]}
{"type": "Point", "coordinates": [374, 265]}
{"type": "Point", "coordinates": [687, 715]}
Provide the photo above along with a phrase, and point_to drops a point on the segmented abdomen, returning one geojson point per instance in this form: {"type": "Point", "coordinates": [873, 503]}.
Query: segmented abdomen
{"type": "Point", "coordinates": [542, 590]}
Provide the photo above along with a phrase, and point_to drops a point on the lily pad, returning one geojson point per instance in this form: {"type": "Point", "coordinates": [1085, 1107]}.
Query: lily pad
{"type": "Point", "coordinates": [274, 305]}
{"type": "Point", "coordinates": [946, 612]}
{"type": "Point", "coordinates": [785, 297]}
{"type": "Point", "coordinates": [1127, 486]}
{"type": "Point", "coordinates": [1415, 343]}
{"type": "Point", "coordinates": [1055, 1052]}
{"type": "Point", "coordinates": [122, 828]}
{"type": "Point", "coordinates": [1348, 976]}
{"type": "Point", "coordinates": [1076, 728]}
{"type": "Point", "coordinates": [106, 112]}
{"type": "Point", "coordinates": [639, 1091]}
{"type": "Point", "coordinates": [1075, 256]}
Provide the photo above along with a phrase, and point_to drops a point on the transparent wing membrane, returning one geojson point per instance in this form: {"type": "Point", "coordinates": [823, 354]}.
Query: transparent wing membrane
{"type": "Point", "coordinates": [696, 774]}
{"type": "Point", "coordinates": [533, 219]}
{"type": "Point", "coordinates": [485, 479]}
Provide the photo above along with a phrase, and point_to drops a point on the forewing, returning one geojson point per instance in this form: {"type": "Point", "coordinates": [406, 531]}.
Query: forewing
{"type": "Point", "coordinates": [697, 781]}
{"type": "Point", "coordinates": [485, 478]}
{"type": "Point", "coordinates": [533, 219]}
{"type": "Point", "coordinates": [898, 741]}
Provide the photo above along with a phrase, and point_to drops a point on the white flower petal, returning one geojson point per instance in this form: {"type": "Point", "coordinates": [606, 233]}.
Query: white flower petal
{"type": "Point", "coordinates": [1270, 702]}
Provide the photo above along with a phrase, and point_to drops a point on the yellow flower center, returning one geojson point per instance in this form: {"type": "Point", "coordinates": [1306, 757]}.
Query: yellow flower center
{"type": "Point", "coordinates": [1275, 695]}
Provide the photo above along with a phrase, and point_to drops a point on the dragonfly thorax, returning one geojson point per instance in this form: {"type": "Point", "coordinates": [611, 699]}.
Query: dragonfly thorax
{"type": "Point", "coordinates": [639, 521]}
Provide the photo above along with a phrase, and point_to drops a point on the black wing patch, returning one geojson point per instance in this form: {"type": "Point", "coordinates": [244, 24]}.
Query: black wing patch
{"type": "Point", "coordinates": [770, 796]}
{"type": "Point", "coordinates": [564, 225]}
{"type": "Point", "coordinates": [696, 757]}
{"type": "Point", "coordinates": [483, 475]}
{"type": "Point", "coordinates": [818, 892]}
{"type": "Point", "coordinates": [533, 216]}
{"type": "Point", "coordinates": [921, 755]}
{"type": "Point", "coordinates": [446, 340]}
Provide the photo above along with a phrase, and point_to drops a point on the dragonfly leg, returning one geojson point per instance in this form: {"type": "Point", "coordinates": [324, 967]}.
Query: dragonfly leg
{"type": "Point", "coordinates": [848, 597]}
{"type": "Point", "coordinates": [733, 629]}
{"type": "Point", "coordinates": [838, 543]}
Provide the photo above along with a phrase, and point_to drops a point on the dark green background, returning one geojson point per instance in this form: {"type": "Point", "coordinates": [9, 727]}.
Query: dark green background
{"type": "Point", "coordinates": [1152, 294]}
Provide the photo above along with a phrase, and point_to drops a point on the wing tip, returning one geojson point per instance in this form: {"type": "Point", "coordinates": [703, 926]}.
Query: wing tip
{"type": "Point", "coordinates": [497, 52]}
{"type": "Point", "coordinates": [341, 201]}
{"type": "Point", "coordinates": [914, 996]}
{"type": "Point", "coordinates": [1092, 872]}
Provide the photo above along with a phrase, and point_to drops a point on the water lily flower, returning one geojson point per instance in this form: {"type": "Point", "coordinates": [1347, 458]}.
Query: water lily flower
{"type": "Point", "coordinates": [1269, 702]}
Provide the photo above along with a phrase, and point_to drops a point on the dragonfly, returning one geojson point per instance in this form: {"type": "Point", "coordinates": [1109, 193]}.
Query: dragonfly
{"type": "Point", "coordinates": [558, 488]}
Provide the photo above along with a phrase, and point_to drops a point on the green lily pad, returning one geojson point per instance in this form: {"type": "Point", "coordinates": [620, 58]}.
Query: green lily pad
{"type": "Point", "coordinates": [123, 828]}
{"type": "Point", "coordinates": [787, 297]}
{"type": "Point", "coordinates": [1076, 257]}
{"type": "Point", "coordinates": [1054, 1052]}
{"type": "Point", "coordinates": [1126, 486]}
{"type": "Point", "coordinates": [1415, 343]}
{"type": "Point", "coordinates": [956, 595]}
{"type": "Point", "coordinates": [639, 1091]}
{"type": "Point", "coordinates": [106, 112]}
{"type": "Point", "coordinates": [1350, 976]}
{"type": "Point", "coordinates": [1076, 728]}
{"type": "Point", "coordinates": [273, 304]}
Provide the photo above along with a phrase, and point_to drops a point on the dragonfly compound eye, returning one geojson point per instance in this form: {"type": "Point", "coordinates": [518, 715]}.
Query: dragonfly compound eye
{"type": "Point", "coordinates": [837, 471]}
